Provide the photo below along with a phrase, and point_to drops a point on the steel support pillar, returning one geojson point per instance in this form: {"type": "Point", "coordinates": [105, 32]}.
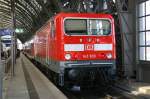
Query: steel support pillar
{"type": "Point", "coordinates": [1, 71]}
{"type": "Point", "coordinates": [126, 17]}
{"type": "Point", "coordinates": [13, 37]}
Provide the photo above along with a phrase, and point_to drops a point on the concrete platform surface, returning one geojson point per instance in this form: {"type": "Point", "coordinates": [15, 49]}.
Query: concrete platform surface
{"type": "Point", "coordinates": [29, 83]}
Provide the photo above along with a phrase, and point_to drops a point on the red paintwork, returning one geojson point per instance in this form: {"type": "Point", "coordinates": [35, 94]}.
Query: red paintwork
{"type": "Point", "coordinates": [52, 46]}
{"type": "Point", "coordinates": [40, 40]}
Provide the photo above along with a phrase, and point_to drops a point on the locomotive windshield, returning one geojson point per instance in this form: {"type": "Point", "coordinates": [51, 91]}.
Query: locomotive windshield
{"type": "Point", "coordinates": [87, 27]}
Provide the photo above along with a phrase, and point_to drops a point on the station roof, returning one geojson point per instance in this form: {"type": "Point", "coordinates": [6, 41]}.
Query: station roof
{"type": "Point", "coordinates": [31, 14]}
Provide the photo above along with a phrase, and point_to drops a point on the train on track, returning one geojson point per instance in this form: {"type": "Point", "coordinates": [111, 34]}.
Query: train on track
{"type": "Point", "coordinates": [77, 48]}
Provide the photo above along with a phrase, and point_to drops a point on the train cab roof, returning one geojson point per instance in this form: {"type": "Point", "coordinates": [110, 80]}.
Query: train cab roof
{"type": "Point", "coordinates": [87, 15]}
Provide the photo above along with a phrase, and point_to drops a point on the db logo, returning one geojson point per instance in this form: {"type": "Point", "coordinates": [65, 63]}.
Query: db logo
{"type": "Point", "coordinates": [89, 47]}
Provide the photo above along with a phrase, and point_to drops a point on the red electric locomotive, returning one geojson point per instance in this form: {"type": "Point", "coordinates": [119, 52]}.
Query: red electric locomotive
{"type": "Point", "coordinates": [75, 46]}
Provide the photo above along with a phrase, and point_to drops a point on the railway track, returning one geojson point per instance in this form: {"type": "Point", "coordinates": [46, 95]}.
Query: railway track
{"type": "Point", "coordinates": [98, 93]}
{"type": "Point", "coordinates": [116, 91]}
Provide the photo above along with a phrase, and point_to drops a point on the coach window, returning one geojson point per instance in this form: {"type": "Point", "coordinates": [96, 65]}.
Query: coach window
{"type": "Point", "coordinates": [144, 30]}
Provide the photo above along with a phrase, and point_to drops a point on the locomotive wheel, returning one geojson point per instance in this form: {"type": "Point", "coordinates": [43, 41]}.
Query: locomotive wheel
{"type": "Point", "coordinates": [54, 78]}
{"type": "Point", "coordinates": [68, 85]}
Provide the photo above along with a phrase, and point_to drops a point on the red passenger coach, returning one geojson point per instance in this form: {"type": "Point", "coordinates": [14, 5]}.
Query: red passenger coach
{"type": "Point", "coordinates": [77, 46]}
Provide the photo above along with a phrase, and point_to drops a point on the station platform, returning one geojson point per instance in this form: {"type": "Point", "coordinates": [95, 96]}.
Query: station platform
{"type": "Point", "coordinates": [29, 83]}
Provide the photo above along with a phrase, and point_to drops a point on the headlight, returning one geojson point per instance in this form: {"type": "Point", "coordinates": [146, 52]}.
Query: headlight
{"type": "Point", "coordinates": [109, 55]}
{"type": "Point", "coordinates": [67, 56]}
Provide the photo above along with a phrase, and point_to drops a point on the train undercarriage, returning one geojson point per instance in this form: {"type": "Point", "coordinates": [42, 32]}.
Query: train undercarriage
{"type": "Point", "coordinates": [84, 73]}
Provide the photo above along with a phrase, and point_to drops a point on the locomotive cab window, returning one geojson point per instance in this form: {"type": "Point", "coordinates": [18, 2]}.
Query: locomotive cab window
{"type": "Point", "coordinates": [87, 27]}
{"type": "Point", "coordinates": [99, 27]}
{"type": "Point", "coordinates": [76, 26]}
